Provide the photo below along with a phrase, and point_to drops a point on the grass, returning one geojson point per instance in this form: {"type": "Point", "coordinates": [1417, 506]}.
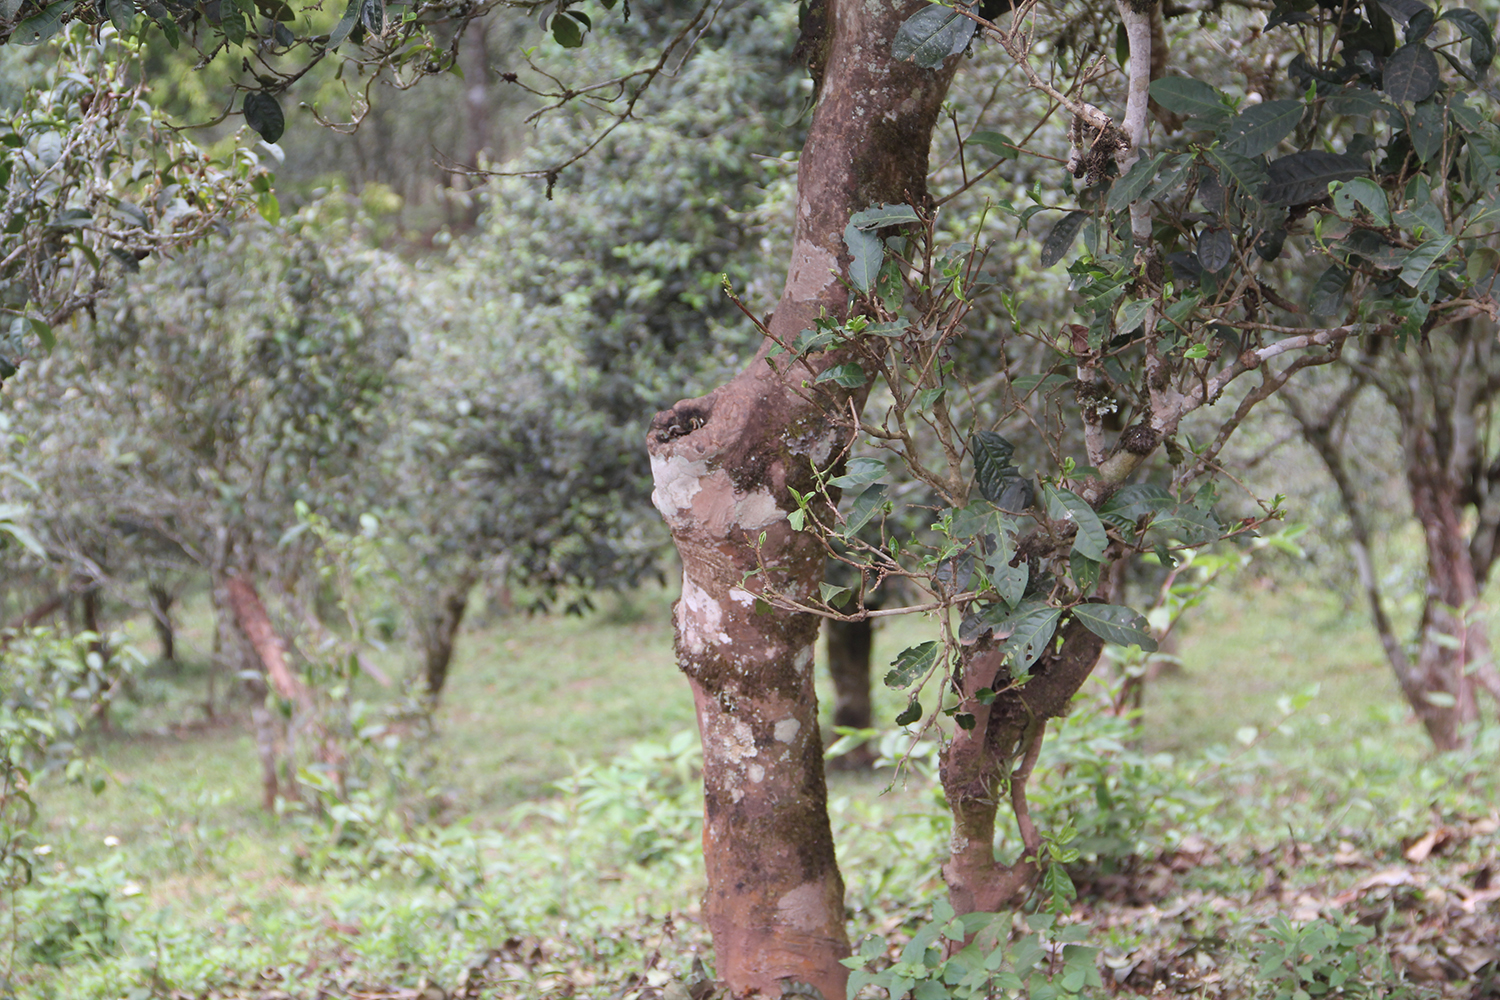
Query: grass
{"type": "Point", "coordinates": [221, 896]}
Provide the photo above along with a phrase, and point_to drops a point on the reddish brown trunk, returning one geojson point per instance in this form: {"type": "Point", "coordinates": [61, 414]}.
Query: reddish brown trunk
{"type": "Point", "coordinates": [251, 618]}
{"type": "Point", "coordinates": [1438, 685]}
{"type": "Point", "coordinates": [724, 467]}
{"type": "Point", "coordinates": [977, 761]}
{"type": "Point", "coordinates": [160, 605]}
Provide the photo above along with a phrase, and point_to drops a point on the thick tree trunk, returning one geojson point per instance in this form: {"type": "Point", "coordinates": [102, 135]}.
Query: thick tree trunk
{"type": "Point", "coordinates": [724, 466]}
{"type": "Point", "coordinates": [440, 634]}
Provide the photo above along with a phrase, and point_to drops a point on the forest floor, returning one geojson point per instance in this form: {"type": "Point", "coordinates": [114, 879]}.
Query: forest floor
{"type": "Point", "coordinates": [1276, 823]}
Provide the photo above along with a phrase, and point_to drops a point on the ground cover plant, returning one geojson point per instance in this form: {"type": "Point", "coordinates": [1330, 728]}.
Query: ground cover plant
{"type": "Point", "coordinates": [1327, 850]}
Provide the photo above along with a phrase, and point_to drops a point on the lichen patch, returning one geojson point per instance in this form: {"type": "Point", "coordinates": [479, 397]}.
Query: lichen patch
{"type": "Point", "coordinates": [677, 481]}
{"type": "Point", "coordinates": [786, 730]}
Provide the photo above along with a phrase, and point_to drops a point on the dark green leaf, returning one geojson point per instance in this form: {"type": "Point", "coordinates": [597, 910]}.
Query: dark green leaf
{"type": "Point", "coordinates": [1026, 384]}
{"type": "Point", "coordinates": [1064, 505]}
{"type": "Point", "coordinates": [1427, 127]}
{"type": "Point", "coordinates": [1061, 238]}
{"type": "Point", "coordinates": [931, 35]}
{"type": "Point", "coordinates": [346, 24]}
{"type": "Point", "coordinates": [72, 218]}
{"type": "Point", "coordinates": [1481, 38]}
{"type": "Point", "coordinates": [1130, 187]}
{"type": "Point", "coordinates": [126, 259]}
{"type": "Point", "coordinates": [1215, 249]}
{"type": "Point", "coordinates": [372, 16]}
{"type": "Point", "coordinates": [910, 714]}
{"type": "Point", "coordinates": [121, 14]}
{"type": "Point", "coordinates": [1411, 73]}
{"type": "Point", "coordinates": [1188, 524]}
{"type": "Point", "coordinates": [1327, 298]}
{"type": "Point", "coordinates": [883, 215]}
{"type": "Point", "coordinates": [1354, 100]}
{"type": "Point", "coordinates": [995, 143]}
{"type": "Point", "coordinates": [1085, 571]}
{"type": "Point", "coordinates": [42, 26]}
{"type": "Point", "coordinates": [263, 113]}
{"type": "Point", "coordinates": [566, 31]}
{"type": "Point", "coordinates": [1403, 10]}
{"type": "Point", "coordinates": [1131, 503]}
{"type": "Point", "coordinates": [1259, 128]}
{"type": "Point", "coordinates": [1115, 624]}
{"type": "Point", "coordinates": [992, 463]}
{"type": "Point", "coordinates": [1026, 635]}
{"type": "Point", "coordinates": [1186, 96]}
{"type": "Point", "coordinates": [1247, 173]}
{"type": "Point", "coordinates": [911, 665]}
{"type": "Point", "coordinates": [868, 253]}
{"type": "Point", "coordinates": [1304, 177]}
{"type": "Point", "coordinates": [1364, 192]}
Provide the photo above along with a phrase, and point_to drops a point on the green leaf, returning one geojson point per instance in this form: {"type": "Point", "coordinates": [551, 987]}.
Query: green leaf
{"type": "Point", "coordinates": [1085, 571]}
{"type": "Point", "coordinates": [992, 464]}
{"type": "Point", "coordinates": [1133, 314]}
{"type": "Point", "coordinates": [24, 536]}
{"type": "Point", "coordinates": [1259, 128]}
{"type": "Point", "coordinates": [1481, 38]}
{"type": "Point", "coordinates": [931, 35]}
{"type": "Point", "coordinates": [859, 472]}
{"type": "Point", "coordinates": [1411, 73]}
{"type": "Point", "coordinates": [1327, 298]}
{"type": "Point", "coordinates": [72, 218]}
{"type": "Point", "coordinates": [1365, 192]}
{"type": "Point", "coordinates": [121, 14]}
{"type": "Point", "coordinates": [1130, 503]}
{"type": "Point", "coordinates": [1064, 505]}
{"type": "Point", "coordinates": [1245, 172]}
{"type": "Point", "coordinates": [911, 665]}
{"type": "Point", "coordinates": [1129, 188]}
{"type": "Point", "coordinates": [1428, 123]}
{"type": "Point", "coordinates": [1026, 635]}
{"type": "Point", "coordinates": [865, 506]}
{"type": "Point", "coordinates": [42, 26]}
{"type": "Point", "coordinates": [1192, 98]}
{"type": "Point", "coordinates": [1304, 177]}
{"type": "Point", "coordinates": [346, 24]}
{"type": "Point", "coordinates": [884, 215]}
{"type": "Point", "coordinates": [868, 253]}
{"type": "Point", "coordinates": [1056, 245]}
{"type": "Point", "coordinates": [848, 375]}
{"type": "Point", "coordinates": [566, 31]}
{"type": "Point", "coordinates": [1215, 249]}
{"type": "Point", "coordinates": [1419, 261]}
{"type": "Point", "coordinates": [263, 113]}
{"type": "Point", "coordinates": [910, 714]}
{"type": "Point", "coordinates": [1116, 624]}
{"type": "Point", "coordinates": [832, 594]}
{"type": "Point", "coordinates": [995, 143]}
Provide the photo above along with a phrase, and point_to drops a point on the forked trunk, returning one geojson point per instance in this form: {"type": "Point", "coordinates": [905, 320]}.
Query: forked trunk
{"type": "Point", "coordinates": [991, 761]}
{"type": "Point", "coordinates": [724, 467]}
{"type": "Point", "coordinates": [441, 633]}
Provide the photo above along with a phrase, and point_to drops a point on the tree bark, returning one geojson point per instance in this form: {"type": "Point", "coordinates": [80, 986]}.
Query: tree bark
{"type": "Point", "coordinates": [724, 466]}
{"type": "Point", "coordinates": [999, 751]}
{"type": "Point", "coordinates": [849, 647]}
{"type": "Point", "coordinates": [160, 604]}
{"type": "Point", "coordinates": [440, 634]}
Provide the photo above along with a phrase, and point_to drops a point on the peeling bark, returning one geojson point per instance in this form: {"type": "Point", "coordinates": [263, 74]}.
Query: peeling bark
{"type": "Point", "coordinates": [724, 466]}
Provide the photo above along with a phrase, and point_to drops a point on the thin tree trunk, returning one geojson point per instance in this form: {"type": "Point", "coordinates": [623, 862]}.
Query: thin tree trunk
{"type": "Point", "coordinates": [160, 604]}
{"type": "Point", "coordinates": [440, 635]}
{"type": "Point", "coordinates": [724, 467]}
{"type": "Point", "coordinates": [850, 645]}
{"type": "Point", "coordinates": [1438, 686]}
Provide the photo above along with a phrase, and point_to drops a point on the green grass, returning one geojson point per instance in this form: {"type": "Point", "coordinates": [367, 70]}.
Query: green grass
{"type": "Point", "coordinates": [224, 891]}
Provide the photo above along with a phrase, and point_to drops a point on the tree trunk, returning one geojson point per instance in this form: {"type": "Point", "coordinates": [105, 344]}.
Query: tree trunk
{"type": "Point", "coordinates": [849, 647]}
{"type": "Point", "coordinates": [1000, 750]}
{"type": "Point", "coordinates": [439, 635]}
{"type": "Point", "coordinates": [160, 604]}
{"type": "Point", "coordinates": [1452, 637]}
{"type": "Point", "coordinates": [724, 466]}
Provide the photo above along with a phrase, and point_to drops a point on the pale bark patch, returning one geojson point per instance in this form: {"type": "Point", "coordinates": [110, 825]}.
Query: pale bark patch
{"type": "Point", "coordinates": [678, 481]}
{"type": "Point", "coordinates": [805, 907]}
{"type": "Point", "coordinates": [699, 618]}
{"type": "Point", "coordinates": [786, 730]}
{"type": "Point", "coordinates": [755, 773]}
{"type": "Point", "coordinates": [742, 596]}
{"type": "Point", "coordinates": [813, 270]}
